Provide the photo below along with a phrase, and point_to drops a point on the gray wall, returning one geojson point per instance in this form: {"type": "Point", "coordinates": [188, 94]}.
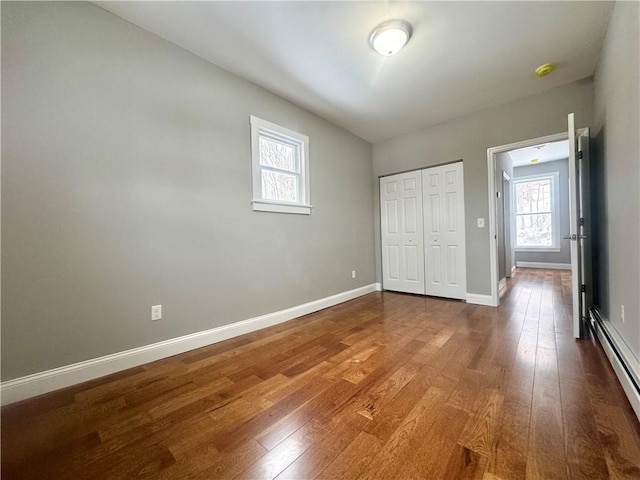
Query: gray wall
{"type": "Point", "coordinates": [505, 262]}
{"type": "Point", "coordinates": [616, 174]}
{"type": "Point", "coordinates": [468, 138]}
{"type": "Point", "coordinates": [564, 255]}
{"type": "Point", "coordinates": [126, 183]}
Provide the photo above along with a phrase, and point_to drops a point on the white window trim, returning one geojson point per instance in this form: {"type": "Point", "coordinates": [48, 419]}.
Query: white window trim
{"type": "Point", "coordinates": [555, 211]}
{"type": "Point", "coordinates": [266, 205]}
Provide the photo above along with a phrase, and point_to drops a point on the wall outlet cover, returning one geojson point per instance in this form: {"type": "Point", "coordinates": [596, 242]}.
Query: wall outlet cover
{"type": "Point", "coordinates": [156, 312]}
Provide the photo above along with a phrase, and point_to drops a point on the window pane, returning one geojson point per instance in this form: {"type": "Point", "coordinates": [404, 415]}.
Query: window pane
{"type": "Point", "coordinates": [279, 186]}
{"type": "Point", "coordinates": [534, 196]}
{"type": "Point", "coordinates": [534, 230]}
{"type": "Point", "coordinates": [278, 155]}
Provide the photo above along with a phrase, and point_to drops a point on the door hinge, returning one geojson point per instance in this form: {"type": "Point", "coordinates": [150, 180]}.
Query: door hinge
{"type": "Point", "coordinates": [583, 288]}
{"type": "Point", "coordinates": [582, 221]}
{"type": "Point", "coordinates": [579, 154]}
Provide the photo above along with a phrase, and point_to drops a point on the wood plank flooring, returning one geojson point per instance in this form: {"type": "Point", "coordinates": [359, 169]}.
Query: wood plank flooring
{"type": "Point", "coordinates": [387, 386]}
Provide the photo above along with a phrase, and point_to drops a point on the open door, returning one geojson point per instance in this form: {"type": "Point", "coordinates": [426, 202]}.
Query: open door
{"type": "Point", "coordinates": [580, 225]}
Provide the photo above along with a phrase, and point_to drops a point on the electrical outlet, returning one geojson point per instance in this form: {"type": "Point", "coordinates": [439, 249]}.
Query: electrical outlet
{"type": "Point", "coordinates": [622, 313]}
{"type": "Point", "coordinates": [353, 274]}
{"type": "Point", "coordinates": [156, 313]}
{"type": "Point", "coordinates": [481, 223]}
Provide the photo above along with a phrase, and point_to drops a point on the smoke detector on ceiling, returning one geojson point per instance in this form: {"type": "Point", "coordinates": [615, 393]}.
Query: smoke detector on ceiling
{"type": "Point", "coordinates": [544, 70]}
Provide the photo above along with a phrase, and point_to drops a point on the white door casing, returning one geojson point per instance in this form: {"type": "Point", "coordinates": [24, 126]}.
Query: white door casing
{"type": "Point", "coordinates": [585, 225]}
{"type": "Point", "coordinates": [579, 229]}
{"type": "Point", "coordinates": [444, 231]}
{"type": "Point", "coordinates": [402, 235]}
{"type": "Point", "coordinates": [573, 226]}
{"type": "Point", "coordinates": [580, 184]}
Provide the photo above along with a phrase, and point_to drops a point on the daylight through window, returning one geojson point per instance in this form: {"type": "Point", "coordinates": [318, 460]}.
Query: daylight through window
{"type": "Point", "coordinates": [536, 212]}
{"type": "Point", "coordinates": [280, 168]}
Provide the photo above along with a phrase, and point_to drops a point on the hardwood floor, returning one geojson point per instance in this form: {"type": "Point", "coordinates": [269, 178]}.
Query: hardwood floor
{"type": "Point", "coordinates": [386, 386]}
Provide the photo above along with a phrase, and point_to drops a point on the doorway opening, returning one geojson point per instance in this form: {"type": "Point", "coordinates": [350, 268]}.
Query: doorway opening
{"type": "Point", "coordinates": [528, 207]}
{"type": "Point", "coordinates": [506, 252]}
{"type": "Point", "coordinates": [532, 208]}
{"type": "Point", "coordinates": [546, 233]}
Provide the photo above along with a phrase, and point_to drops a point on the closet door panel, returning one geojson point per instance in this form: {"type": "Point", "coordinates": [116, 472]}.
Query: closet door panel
{"type": "Point", "coordinates": [402, 232]}
{"type": "Point", "coordinates": [454, 235]}
{"type": "Point", "coordinates": [443, 199]}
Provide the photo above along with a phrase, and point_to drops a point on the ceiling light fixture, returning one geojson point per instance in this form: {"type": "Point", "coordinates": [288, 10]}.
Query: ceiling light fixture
{"type": "Point", "coordinates": [388, 38]}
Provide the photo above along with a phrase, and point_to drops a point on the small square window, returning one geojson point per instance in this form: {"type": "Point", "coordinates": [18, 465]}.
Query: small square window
{"type": "Point", "coordinates": [280, 164]}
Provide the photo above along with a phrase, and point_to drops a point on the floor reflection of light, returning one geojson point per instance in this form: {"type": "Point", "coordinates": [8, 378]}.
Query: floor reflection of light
{"type": "Point", "coordinates": [528, 355]}
{"type": "Point", "coordinates": [284, 455]}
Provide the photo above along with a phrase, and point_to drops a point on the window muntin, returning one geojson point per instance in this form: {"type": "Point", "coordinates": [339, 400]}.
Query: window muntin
{"type": "Point", "coordinates": [536, 212]}
{"type": "Point", "coordinates": [280, 168]}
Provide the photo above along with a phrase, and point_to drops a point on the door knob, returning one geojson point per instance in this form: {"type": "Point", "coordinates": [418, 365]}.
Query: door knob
{"type": "Point", "coordinates": [570, 237]}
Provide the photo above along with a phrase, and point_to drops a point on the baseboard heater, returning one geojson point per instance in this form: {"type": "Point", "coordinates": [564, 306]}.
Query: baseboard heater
{"type": "Point", "coordinates": [626, 368]}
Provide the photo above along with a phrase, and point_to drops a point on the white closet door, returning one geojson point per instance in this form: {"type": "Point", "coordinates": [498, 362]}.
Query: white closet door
{"type": "Point", "coordinates": [401, 226]}
{"type": "Point", "coordinates": [443, 198]}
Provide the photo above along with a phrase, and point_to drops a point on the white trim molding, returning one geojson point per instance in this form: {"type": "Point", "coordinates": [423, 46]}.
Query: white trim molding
{"type": "Point", "coordinates": [502, 284]}
{"type": "Point", "coordinates": [26, 387]}
{"type": "Point", "coordinates": [299, 144]}
{"type": "Point", "coordinates": [378, 287]}
{"type": "Point", "coordinates": [478, 299]}
{"type": "Point", "coordinates": [625, 365]}
{"type": "Point", "coordinates": [552, 266]}
{"type": "Point", "coordinates": [280, 207]}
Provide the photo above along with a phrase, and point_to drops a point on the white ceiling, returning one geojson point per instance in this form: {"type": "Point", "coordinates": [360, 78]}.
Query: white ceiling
{"type": "Point", "coordinates": [463, 56]}
{"type": "Point", "coordinates": [546, 152]}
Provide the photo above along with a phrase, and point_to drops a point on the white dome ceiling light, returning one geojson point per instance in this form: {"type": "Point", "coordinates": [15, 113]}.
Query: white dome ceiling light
{"type": "Point", "coordinates": [388, 38]}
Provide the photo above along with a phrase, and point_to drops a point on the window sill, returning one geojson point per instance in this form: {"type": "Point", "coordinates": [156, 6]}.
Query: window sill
{"type": "Point", "coordinates": [538, 249]}
{"type": "Point", "coordinates": [276, 207]}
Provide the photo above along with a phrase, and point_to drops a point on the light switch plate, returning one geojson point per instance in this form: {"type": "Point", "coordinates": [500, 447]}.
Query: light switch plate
{"type": "Point", "coordinates": [481, 223]}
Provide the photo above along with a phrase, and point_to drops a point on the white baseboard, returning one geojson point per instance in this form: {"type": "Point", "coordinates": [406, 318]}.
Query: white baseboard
{"type": "Point", "coordinates": [513, 270]}
{"type": "Point", "coordinates": [502, 284]}
{"type": "Point", "coordinates": [478, 299]}
{"type": "Point", "coordinates": [50, 380]}
{"type": "Point", "coordinates": [614, 349]}
{"type": "Point", "coordinates": [378, 287]}
{"type": "Point", "coordinates": [553, 266]}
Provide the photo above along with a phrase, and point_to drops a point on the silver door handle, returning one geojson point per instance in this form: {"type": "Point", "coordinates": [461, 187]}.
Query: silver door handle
{"type": "Point", "coordinates": [570, 237]}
